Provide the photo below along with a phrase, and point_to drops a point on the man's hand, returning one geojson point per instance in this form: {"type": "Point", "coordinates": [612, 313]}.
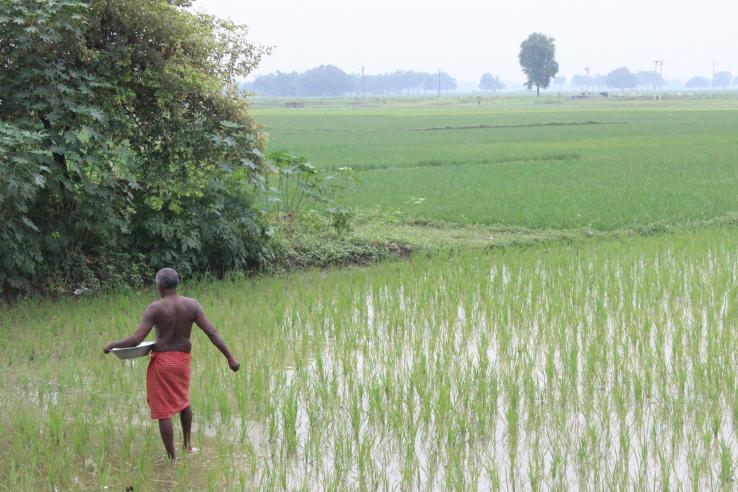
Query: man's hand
{"type": "Point", "coordinates": [233, 364]}
{"type": "Point", "coordinates": [108, 348]}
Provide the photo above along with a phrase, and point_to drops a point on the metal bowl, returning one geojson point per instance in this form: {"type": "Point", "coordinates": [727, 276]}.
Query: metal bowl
{"type": "Point", "coordinates": [140, 350]}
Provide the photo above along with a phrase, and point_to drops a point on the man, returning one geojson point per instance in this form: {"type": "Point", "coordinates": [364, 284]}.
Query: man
{"type": "Point", "coordinates": [168, 375]}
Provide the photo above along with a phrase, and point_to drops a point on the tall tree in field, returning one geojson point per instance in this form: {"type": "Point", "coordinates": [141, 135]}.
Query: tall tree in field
{"type": "Point", "coordinates": [538, 60]}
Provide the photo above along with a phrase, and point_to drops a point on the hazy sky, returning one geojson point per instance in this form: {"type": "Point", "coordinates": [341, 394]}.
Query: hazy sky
{"type": "Point", "coordinates": [467, 38]}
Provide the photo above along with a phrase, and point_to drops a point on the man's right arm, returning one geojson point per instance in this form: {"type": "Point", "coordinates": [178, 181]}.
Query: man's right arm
{"type": "Point", "coordinates": [205, 325]}
{"type": "Point", "coordinates": [149, 317]}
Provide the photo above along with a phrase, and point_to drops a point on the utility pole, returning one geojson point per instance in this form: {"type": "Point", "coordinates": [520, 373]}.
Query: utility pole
{"type": "Point", "coordinates": [363, 93]}
{"type": "Point", "coordinates": [589, 81]}
{"type": "Point", "coordinates": [439, 83]}
{"type": "Point", "coordinates": [713, 78]}
{"type": "Point", "coordinates": [658, 70]}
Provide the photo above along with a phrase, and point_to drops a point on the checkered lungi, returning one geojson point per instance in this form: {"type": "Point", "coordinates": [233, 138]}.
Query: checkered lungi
{"type": "Point", "coordinates": [168, 383]}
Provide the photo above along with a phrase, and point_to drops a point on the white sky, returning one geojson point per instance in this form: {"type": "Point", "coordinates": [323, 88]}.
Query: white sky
{"type": "Point", "coordinates": [469, 37]}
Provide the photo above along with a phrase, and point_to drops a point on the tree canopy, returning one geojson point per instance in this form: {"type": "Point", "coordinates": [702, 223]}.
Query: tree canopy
{"type": "Point", "coordinates": [538, 60]}
{"type": "Point", "coordinates": [489, 82]}
{"type": "Point", "coordinates": [123, 144]}
{"type": "Point", "coordinates": [648, 78]}
{"type": "Point", "coordinates": [621, 78]}
{"type": "Point", "coordinates": [722, 79]}
{"type": "Point", "coordinates": [697, 83]}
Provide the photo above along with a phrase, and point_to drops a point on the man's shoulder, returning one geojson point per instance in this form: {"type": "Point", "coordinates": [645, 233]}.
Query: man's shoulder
{"type": "Point", "coordinates": [154, 306]}
{"type": "Point", "coordinates": [189, 302]}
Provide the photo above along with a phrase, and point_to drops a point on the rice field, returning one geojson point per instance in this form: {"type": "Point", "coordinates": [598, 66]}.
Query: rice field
{"type": "Point", "coordinates": [599, 365]}
{"type": "Point", "coordinates": [601, 165]}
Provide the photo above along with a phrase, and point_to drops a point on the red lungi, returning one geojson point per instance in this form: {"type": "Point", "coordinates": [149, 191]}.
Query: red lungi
{"type": "Point", "coordinates": [168, 383]}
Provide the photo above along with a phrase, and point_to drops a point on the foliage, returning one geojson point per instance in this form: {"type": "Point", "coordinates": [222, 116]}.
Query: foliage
{"type": "Point", "coordinates": [580, 81]}
{"type": "Point", "coordinates": [538, 60]}
{"type": "Point", "coordinates": [697, 83]}
{"type": "Point", "coordinates": [722, 79]}
{"type": "Point", "coordinates": [293, 183]}
{"type": "Point", "coordinates": [130, 145]}
{"type": "Point", "coordinates": [341, 218]}
{"type": "Point", "coordinates": [489, 82]}
{"type": "Point", "coordinates": [621, 78]}
{"type": "Point", "coordinates": [439, 81]}
{"type": "Point", "coordinates": [297, 181]}
{"type": "Point", "coordinates": [325, 80]}
{"type": "Point", "coordinates": [328, 80]}
{"type": "Point", "coordinates": [648, 78]}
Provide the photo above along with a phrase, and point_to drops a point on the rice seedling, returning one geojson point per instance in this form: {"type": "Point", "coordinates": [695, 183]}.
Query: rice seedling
{"type": "Point", "coordinates": [595, 365]}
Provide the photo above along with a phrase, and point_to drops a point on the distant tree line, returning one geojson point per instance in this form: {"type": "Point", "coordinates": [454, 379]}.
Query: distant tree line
{"type": "Point", "coordinates": [329, 80]}
{"type": "Point", "coordinates": [538, 51]}
{"type": "Point", "coordinates": [622, 78]}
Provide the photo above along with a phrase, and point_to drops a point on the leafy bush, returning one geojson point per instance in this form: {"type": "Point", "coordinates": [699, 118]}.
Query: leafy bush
{"type": "Point", "coordinates": [124, 146]}
{"type": "Point", "coordinates": [292, 183]}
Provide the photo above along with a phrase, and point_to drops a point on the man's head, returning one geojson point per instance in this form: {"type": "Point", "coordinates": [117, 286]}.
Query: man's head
{"type": "Point", "coordinates": [167, 280]}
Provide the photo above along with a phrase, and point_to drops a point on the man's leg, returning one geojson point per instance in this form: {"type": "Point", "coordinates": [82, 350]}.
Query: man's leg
{"type": "Point", "coordinates": [167, 435]}
{"type": "Point", "coordinates": [185, 416]}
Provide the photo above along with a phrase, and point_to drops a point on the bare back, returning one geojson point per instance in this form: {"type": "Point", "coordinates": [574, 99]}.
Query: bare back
{"type": "Point", "coordinates": [173, 317]}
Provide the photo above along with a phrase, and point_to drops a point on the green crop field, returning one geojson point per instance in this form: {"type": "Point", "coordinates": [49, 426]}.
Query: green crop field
{"type": "Point", "coordinates": [604, 361]}
{"type": "Point", "coordinates": [598, 365]}
{"type": "Point", "coordinates": [573, 164]}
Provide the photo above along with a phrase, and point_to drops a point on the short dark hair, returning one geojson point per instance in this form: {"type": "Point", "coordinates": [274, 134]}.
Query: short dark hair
{"type": "Point", "coordinates": [167, 278]}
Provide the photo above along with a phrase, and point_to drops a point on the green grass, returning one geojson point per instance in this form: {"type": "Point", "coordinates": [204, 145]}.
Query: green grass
{"type": "Point", "coordinates": [561, 164]}
{"type": "Point", "coordinates": [603, 364]}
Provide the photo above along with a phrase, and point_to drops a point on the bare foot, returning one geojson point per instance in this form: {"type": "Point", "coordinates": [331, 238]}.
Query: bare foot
{"type": "Point", "coordinates": [167, 460]}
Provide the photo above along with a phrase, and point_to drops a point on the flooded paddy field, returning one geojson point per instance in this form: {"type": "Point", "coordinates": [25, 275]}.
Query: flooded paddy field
{"type": "Point", "coordinates": [594, 365]}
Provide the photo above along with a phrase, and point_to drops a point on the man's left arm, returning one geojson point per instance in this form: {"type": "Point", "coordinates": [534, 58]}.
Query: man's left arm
{"type": "Point", "coordinates": [138, 336]}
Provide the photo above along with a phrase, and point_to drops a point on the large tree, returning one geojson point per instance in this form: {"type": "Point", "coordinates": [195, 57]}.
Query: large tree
{"type": "Point", "coordinates": [621, 78]}
{"type": "Point", "coordinates": [123, 144]}
{"type": "Point", "coordinates": [489, 82]}
{"type": "Point", "coordinates": [649, 78]}
{"type": "Point", "coordinates": [722, 79]}
{"type": "Point", "coordinates": [538, 60]}
{"type": "Point", "coordinates": [697, 83]}
{"type": "Point", "coordinates": [326, 80]}
{"type": "Point", "coordinates": [580, 81]}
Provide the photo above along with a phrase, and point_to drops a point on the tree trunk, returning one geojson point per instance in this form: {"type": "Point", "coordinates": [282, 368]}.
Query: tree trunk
{"type": "Point", "coordinates": [538, 91]}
